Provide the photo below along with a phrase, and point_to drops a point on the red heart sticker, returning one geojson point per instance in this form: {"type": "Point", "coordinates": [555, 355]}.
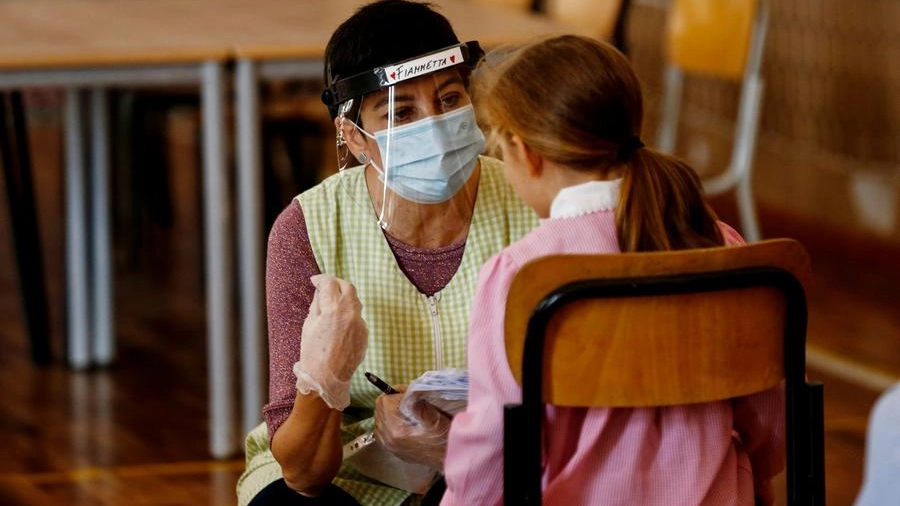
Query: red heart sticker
{"type": "Point", "coordinates": [452, 58]}
{"type": "Point", "coordinates": [393, 75]}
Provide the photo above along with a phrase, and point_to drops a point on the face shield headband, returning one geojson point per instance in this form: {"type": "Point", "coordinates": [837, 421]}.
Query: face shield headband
{"type": "Point", "coordinates": [468, 53]}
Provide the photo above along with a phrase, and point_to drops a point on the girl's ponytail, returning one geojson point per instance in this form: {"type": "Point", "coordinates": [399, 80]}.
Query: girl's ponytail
{"type": "Point", "coordinates": [661, 206]}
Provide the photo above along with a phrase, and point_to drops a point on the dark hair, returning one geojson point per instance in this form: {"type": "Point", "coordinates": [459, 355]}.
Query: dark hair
{"type": "Point", "coordinates": [382, 33]}
{"type": "Point", "coordinates": [577, 101]}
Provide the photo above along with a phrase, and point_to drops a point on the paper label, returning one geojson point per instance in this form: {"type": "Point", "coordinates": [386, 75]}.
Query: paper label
{"type": "Point", "coordinates": [424, 65]}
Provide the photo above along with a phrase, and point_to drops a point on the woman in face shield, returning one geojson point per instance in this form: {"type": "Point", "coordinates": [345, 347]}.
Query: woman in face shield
{"type": "Point", "coordinates": [374, 269]}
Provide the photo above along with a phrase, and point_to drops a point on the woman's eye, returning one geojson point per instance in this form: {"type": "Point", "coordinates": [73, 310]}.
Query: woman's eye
{"type": "Point", "coordinates": [450, 101]}
{"type": "Point", "coordinates": [403, 114]}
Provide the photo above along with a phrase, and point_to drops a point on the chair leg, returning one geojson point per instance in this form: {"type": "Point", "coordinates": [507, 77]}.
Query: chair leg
{"type": "Point", "coordinates": [747, 210]}
{"type": "Point", "coordinates": [16, 163]}
{"type": "Point", "coordinates": [620, 35]}
{"type": "Point", "coordinates": [815, 391]}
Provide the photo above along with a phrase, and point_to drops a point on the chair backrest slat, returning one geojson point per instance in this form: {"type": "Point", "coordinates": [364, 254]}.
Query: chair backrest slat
{"type": "Point", "coordinates": [710, 37]}
{"type": "Point", "coordinates": [660, 329]}
{"type": "Point", "coordinates": [609, 352]}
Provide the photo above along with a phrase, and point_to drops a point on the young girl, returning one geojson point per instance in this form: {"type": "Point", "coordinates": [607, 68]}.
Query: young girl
{"type": "Point", "coordinates": [566, 114]}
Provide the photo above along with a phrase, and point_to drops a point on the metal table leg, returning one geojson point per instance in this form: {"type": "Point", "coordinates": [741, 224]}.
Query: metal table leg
{"type": "Point", "coordinates": [78, 291]}
{"type": "Point", "coordinates": [103, 346]}
{"type": "Point", "coordinates": [218, 264]}
{"type": "Point", "coordinates": [250, 240]}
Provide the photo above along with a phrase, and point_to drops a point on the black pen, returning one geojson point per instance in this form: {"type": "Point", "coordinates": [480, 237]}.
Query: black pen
{"type": "Point", "coordinates": [378, 382]}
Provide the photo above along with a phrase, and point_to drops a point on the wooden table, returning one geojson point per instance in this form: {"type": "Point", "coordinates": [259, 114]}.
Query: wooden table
{"type": "Point", "coordinates": [96, 44]}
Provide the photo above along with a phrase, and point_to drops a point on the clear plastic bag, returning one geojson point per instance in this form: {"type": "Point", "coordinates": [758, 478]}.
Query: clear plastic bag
{"type": "Point", "coordinates": [371, 459]}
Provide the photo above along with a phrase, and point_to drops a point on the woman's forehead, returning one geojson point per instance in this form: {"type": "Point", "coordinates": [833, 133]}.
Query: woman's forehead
{"type": "Point", "coordinates": [425, 85]}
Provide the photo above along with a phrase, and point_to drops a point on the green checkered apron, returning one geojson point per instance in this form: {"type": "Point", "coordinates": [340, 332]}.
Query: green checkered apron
{"type": "Point", "coordinates": [409, 333]}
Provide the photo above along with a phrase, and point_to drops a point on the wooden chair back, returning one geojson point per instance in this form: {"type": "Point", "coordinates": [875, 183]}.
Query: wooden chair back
{"type": "Point", "coordinates": [661, 329]}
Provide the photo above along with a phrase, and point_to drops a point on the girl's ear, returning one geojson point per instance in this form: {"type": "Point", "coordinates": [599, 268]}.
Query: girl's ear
{"type": "Point", "coordinates": [532, 161]}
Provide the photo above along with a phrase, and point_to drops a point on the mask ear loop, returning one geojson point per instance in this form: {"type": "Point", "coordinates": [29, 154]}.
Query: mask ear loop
{"type": "Point", "coordinates": [386, 160]}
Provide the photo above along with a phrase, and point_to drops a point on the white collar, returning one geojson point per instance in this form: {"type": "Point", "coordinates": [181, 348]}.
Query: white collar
{"type": "Point", "coordinates": [586, 198]}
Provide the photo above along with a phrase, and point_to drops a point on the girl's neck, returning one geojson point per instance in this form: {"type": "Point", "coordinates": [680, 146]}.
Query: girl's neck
{"type": "Point", "coordinates": [556, 177]}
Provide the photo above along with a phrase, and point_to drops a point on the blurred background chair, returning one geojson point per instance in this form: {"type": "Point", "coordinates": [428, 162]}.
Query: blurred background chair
{"type": "Point", "coordinates": [16, 162]}
{"type": "Point", "coordinates": [722, 39]}
{"type": "Point", "coordinates": [700, 325]}
{"type": "Point", "coordinates": [604, 19]}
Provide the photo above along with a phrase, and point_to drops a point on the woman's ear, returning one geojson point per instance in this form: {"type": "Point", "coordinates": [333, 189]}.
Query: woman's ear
{"type": "Point", "coordinates": [348, 134]}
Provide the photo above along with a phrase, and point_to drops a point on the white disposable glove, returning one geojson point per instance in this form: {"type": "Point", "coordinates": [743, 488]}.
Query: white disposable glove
{"type": "Point", "coordinates": [422, 440]}
{"type": "Point", "coordinates": [333, 342]}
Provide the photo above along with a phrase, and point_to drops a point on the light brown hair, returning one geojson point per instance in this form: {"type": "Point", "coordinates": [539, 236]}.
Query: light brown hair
{"type": "Point", "coordinates": [576, 101]}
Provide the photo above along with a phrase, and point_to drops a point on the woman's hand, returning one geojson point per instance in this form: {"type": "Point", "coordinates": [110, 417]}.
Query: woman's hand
{"type": "Point", "coordinates": [333, 342]}
{"type": "Point", "coordinates": [422, 441]}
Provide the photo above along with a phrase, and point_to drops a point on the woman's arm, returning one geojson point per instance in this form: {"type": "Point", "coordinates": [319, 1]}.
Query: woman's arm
{"type": "Point", "coordinates": [308, 445]}
{"type": "Point", "coordinates": [304, 431]}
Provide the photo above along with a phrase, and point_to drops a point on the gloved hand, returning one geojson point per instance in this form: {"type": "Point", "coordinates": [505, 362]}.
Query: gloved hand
{"type": "Point", "coordinates": [422, 440]}
{"type": "Point", "coordinates": [333, 342]}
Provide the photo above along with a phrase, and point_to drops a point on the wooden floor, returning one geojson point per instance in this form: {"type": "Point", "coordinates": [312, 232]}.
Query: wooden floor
{"type": "Point", "coordinates": [135, 433]}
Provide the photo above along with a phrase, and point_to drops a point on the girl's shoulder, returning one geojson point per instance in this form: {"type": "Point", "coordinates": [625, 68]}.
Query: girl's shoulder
{"type": "Point", "coordinates": [593, 233]}
{"type": "Point", "coordinates": [731, 236]}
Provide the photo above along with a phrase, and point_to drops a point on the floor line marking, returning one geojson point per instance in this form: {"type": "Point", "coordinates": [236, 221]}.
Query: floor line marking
{"type": "Point", "coordinates": [849, 370]}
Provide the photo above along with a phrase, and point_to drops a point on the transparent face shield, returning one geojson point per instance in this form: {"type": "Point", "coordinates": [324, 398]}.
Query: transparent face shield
{"type": "Point", "coordinates": [414, 142]}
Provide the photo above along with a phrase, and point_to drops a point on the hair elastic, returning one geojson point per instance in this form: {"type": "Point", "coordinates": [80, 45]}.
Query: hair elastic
{"type": "Point", "coordinates": [628, 147]}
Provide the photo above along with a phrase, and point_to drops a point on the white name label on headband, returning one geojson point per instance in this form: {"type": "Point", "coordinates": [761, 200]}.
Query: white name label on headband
{"type": "Point", "coordinates": [424, 65]}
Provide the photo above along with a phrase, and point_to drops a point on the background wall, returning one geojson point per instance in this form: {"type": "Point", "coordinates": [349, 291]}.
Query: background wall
{"type": "Point", "coordinates": [829, 146]}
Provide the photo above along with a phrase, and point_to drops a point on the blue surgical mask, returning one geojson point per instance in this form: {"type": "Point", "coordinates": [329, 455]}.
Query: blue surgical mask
{"type": "Point", "coordinates": [431, 159]}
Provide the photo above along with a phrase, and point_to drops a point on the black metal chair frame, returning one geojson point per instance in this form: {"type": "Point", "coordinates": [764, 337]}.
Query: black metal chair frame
{"type": "Point", "coordinates": [804, 400]}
